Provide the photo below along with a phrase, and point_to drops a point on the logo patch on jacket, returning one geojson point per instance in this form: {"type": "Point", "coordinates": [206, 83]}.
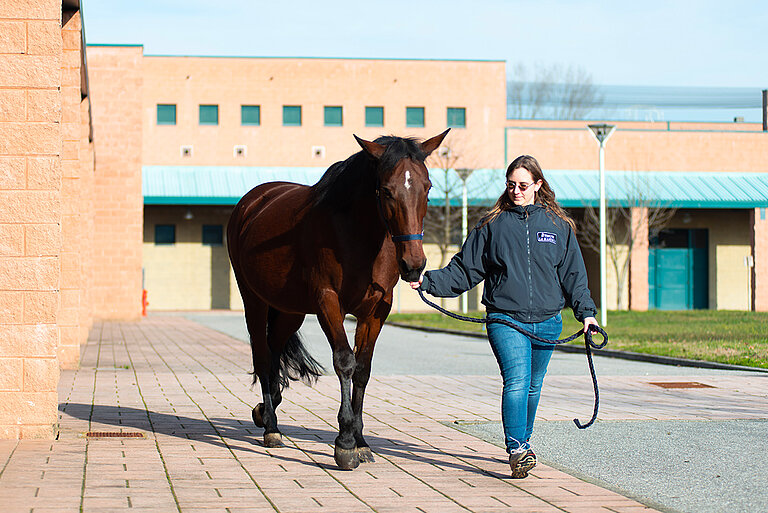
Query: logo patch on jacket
{"type": "Point", "coordinates": [546, 237]}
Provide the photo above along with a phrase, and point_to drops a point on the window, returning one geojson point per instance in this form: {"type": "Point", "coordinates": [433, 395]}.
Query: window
{"type": "Point", "coordinates": [333, 116]}
{"type": "Point", "coordinates": [213, 235]}
{"type": "Point", "coordinates": [166, 113]}
{"type": "Point", "coordinates": [250, 115]}
{"type": "Point", "coordinates": [291, 115]}
{"type": "Point", "coordinates": [457, 117]}
{"type": "Point", "coordinates": [374, 116]}
{"type": "Point", "coordinates": [414, 116]}
{"type": "Point", "coordinates": [209, 114]}
{"type": "Point", "coordinates": [165, 234]}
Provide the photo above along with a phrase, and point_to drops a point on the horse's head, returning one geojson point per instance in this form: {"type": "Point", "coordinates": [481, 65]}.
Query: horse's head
{"type": "Point", "coordinates": [402, 188]}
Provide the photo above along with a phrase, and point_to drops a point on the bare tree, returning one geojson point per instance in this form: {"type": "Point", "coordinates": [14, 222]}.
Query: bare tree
{"type": "Point", "coordinates": [621, 228]}
{"type": "Point", "coordinates": [555, 92]}
{"type": "Point", "coordinates": [442, 224]}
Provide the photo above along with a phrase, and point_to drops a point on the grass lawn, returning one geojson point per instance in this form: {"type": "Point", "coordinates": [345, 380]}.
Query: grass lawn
{"type": "Point", "coordinates": [739, 338]}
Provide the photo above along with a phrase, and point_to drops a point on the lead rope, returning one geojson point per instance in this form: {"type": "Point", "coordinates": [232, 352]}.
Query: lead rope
{"type": "Point", "coordinates": [588, 343]}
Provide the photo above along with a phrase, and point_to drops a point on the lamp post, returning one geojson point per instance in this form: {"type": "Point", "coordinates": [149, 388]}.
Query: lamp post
{"type": "Point", "coordinates": [464, 176]}
{"type": "Point", "coordinates": [602, 132]}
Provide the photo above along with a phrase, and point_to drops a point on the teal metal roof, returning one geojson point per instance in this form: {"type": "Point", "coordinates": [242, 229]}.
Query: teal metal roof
{"type": "Point", "coordinates": [662, 188]}
{"type": "Point", "coordinates": [221, 185]}
{"type": "Point", "coordinates": [215, 185]}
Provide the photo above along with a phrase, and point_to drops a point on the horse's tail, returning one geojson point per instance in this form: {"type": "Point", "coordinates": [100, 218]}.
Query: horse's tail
{"type": "Point", "coordinates": [296, 364]}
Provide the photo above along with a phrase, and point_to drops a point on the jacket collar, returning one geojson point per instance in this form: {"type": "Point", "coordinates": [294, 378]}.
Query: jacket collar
{"type": "Point", "coordinates": [521, 211]}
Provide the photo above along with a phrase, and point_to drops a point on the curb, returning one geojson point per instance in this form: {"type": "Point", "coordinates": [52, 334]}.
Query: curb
{"type": "Point", "coordinates": [610, 353]}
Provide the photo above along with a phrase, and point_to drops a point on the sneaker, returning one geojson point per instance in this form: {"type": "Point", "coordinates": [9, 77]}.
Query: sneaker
{"type": "Point", "coordinates": [521, 461]}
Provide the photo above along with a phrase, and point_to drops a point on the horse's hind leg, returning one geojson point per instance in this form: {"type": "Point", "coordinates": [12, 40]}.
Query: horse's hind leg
{"type": "Point", "coordinates": [272, 435]}
{"type": "Point", "coordinates": [280, 327]}
{"type": "Point", "coordinates": [264, 369]}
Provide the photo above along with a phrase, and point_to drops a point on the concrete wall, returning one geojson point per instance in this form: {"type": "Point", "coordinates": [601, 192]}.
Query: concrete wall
{"type": "Point", "coordinates": [729, 244]}
{"type": "Point", "coordinates": [479, 87]}
{"type": "Point", "coordinates": [188, 275]}
{"type": "Point", "coordinates": [30, 216]}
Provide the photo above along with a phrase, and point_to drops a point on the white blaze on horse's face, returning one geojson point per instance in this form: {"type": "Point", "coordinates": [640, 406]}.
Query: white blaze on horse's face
{"type": "Point", "coordinates": [407, 180]}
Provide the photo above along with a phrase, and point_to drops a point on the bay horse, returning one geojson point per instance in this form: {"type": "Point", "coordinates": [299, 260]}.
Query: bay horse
{"type": "Point", "coordinates": [330, 249]}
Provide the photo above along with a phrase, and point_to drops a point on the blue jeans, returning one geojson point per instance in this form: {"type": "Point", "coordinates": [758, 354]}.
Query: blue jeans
{"type": "Point", "coordinates": [522, 363]}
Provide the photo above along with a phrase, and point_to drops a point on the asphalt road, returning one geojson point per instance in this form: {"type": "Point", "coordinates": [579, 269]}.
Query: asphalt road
{"type": "Point", "coordinates": [690, 466]}
{"type": "Point", "coordinates": [412, 352]}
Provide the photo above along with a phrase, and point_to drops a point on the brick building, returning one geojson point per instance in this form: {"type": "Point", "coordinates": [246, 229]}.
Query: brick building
{"type": "Point", "coordinates": [207, 141]}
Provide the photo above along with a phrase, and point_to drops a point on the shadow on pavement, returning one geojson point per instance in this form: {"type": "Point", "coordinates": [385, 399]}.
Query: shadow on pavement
{"type": "Point", "coordinates": [218, 431]}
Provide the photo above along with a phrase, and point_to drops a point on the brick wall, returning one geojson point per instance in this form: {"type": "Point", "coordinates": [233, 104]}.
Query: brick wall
{"type": "Point", "coordinates": [115, 87]}
{"type": "Point", "coordinates": [353, 84]}
{"type": "Point", "coordinates": [759, 221]}
{"type": "Point", "coordinates": [30, 216]}
{"type": "Point", "coordinates": [638, 263]}
{"type": "Point", "coordinates": [71, 190]}
{"type": "Point", "coordinates": [641, 146]}
{"type": "Point", "coordinates": [87, 222]}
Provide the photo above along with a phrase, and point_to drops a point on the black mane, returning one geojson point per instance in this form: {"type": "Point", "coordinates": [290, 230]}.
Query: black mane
{"type": "Point", "coordinates": [344, 181]}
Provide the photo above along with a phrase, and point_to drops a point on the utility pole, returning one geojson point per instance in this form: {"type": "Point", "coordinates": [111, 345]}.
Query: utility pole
{"type": "Point", "coordinates": [602, 132]}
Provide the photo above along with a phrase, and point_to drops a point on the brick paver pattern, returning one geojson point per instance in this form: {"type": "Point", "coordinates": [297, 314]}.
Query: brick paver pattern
{"type": "Point", "coordinates": [187, 389]}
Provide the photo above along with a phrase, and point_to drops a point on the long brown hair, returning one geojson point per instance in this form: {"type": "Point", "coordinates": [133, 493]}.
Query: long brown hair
{"type": "Point", "coordinates": [545, 196]}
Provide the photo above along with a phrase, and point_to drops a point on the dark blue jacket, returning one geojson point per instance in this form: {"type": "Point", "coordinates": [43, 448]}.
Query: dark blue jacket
{"type": "Point", "coordinates": [530, 261]}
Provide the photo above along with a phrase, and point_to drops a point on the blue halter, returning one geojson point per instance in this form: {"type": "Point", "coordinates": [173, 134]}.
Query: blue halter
{"type": "Point", "coordinates": [403, 238]}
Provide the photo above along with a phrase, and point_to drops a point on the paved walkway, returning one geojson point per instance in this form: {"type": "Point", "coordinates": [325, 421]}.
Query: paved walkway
{"type": "Point", "coordinates": [185, 388]}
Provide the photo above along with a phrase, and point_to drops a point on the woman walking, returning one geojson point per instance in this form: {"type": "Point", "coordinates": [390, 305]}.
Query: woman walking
{"type": "Point", "coordinates": [526, 251]}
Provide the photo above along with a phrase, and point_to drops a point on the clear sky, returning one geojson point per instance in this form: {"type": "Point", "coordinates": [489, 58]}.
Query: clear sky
{"type": "Point", "coordinates": [640, 42]}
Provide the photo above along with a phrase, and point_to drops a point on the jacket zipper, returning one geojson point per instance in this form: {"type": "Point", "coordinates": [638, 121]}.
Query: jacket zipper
{"type": "Point", "coordinates": [530, 274]}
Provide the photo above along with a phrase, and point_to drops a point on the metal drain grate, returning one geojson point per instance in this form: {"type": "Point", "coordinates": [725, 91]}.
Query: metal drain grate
{"type": "Point", "coordinates": [681, 384]}
{"type": "Point", "coordinates": [115, 434]}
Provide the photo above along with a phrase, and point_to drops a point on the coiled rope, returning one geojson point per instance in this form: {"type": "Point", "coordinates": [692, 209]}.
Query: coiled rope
{"type": "Point", "coordinates": [589, 344]}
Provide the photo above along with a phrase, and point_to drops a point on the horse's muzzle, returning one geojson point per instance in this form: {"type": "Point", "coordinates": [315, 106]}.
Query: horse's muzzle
{"type": "Point", "coordinates": [409, 273]}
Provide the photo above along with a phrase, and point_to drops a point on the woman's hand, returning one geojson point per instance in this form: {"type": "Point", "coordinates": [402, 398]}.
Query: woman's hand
{"type": "Point", "coordinates": [589, 321]}
{"type": "Point", "coordinates": [416, 284]}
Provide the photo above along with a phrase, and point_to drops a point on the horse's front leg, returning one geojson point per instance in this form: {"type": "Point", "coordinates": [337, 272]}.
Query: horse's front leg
{"type": "Point", "coordinates": [365, 339]}
{"type": "Point", "coordinates": [332, 321]}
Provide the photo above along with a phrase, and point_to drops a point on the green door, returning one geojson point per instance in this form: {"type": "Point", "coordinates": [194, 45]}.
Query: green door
{"type": "Point", "coordinates": [678, 270]}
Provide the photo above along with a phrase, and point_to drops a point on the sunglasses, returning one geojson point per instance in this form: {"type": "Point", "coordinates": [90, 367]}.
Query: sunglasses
{"type": "Point", "coordinates": [522, 186]}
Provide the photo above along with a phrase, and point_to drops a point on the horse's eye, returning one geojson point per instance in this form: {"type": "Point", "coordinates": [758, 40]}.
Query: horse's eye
{"type": "Point", "coordinates": [386, 193]}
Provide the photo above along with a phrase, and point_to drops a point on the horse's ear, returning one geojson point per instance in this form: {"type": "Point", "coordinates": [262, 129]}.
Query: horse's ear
{"type": "Point", "coordinates": [373, 149]}
{"type": "Point", "coordinates": [431, 145]}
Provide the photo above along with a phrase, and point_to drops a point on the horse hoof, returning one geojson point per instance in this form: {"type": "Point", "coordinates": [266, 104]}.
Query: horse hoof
{"type": "Point", "coordinates": [256, 415]}
{"type": "Point", "coordinates": [346, 459]}
{"type": "Point", "coordinates": [273, 440]}
{"type": "Point", "coordinates": [365, 455]}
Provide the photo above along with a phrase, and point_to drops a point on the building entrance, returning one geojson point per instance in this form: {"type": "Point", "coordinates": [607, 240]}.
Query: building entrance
{"type": "Point", "coordinates": [678, 270]}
